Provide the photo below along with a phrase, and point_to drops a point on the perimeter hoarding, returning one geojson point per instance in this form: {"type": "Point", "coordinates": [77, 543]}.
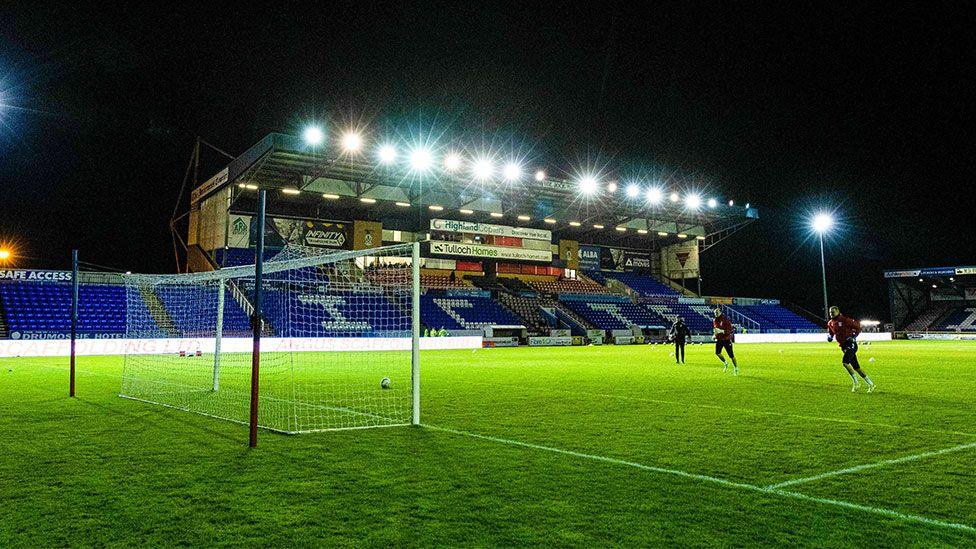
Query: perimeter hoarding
{"type": "Point", "coordinates": [438, 247]}
{"type": "Point", "coordinates": [452, 226]}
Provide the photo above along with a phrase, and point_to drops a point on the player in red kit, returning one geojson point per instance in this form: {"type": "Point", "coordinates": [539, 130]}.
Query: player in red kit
{"type": "Point", "coordinates": [845, 330]}
{"type": "Point", "coordinates": [723, 333]}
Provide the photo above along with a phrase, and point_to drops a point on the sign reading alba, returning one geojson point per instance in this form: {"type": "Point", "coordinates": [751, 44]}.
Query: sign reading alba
{"type": "Point", "coordinates": [451, 226]}
{"type": "Point", "coordinates": [491, 252]}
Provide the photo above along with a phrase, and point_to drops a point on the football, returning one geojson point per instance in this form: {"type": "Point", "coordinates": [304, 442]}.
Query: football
{"type": "Point", "coordinates": [385, 383]}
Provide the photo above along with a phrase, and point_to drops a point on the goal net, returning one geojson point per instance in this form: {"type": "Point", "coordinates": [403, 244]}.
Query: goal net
{"type": "Point", "coordinates": [338, 345]}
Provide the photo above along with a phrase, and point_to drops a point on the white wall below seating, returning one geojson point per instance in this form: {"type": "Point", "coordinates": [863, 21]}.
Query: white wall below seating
{"type": "Point", "coordinates": [92, 347]}
{"type": "Point", "coordinates": [803, 338]}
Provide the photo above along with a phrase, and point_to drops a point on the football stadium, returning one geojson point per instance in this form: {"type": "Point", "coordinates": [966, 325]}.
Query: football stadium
{"type": "Point", "coordinates": [380, 341]}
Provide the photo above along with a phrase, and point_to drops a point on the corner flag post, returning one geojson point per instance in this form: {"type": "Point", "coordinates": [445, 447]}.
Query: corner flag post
{"type": "Point", "coordinates": [256, 318]}
{"type": "Point", "coordinates": [415, 331]}
{"type": "Point", "coordinates": [74, 319]}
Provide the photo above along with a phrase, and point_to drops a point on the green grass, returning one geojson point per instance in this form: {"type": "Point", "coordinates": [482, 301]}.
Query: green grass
{"type": "Point", "coordinates": [555, 425]}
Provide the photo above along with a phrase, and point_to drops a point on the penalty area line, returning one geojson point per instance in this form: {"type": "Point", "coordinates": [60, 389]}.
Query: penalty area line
{"type": "Point", "coordinates": [866, 466]}
{"type": "Point", "coordinates": [905, 517]}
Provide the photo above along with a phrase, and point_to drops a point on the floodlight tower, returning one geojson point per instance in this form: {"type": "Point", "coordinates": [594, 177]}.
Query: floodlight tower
{"type": "Point", "coordinates": [821, 224]}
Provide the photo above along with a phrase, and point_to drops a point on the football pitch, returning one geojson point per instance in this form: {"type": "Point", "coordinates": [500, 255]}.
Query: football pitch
{"type": "Point", "coordinates": [590, 446]}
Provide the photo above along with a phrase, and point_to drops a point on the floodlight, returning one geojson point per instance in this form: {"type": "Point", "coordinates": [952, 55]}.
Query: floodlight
{"type": "Point", "coordinates": [352, 141]}
{"type": "Point", "coordinates": [452, 161]}
{"type": "Point", "coordinates": [712, 203]}
{"type": "Point", "coordinates": [823, 222]}
{"type": "Point", "coordinates": [612, 187]}
{"type": "Point", "coordinates": [675, 197]}
{"type": "Point", "coordinates": [692, 201]}
{"type": "Point", "coordinates": [421, 159]}
{"type": "Point", "coordinates": [466, 211]}
{"type": "Point", "coordinates": [574, 223]}
{"type": "Point", "coordinates": [641, 231]}
{"type": "Point", "coordinates": [549, 220]}
{"type": "Point", "coordinates": [524, 218]}
{"type": "Point", "coordinates": [682, 235]}
{"type": "Point", "coordinates": [365, 200]}
{"type": "Point", "coordinates": [747, 205]}
{"type": "Point", "coordinates": [4, 255]}
{"type": "Point", "coordinates": [496, 214]}
{"type": "Point", "coordinates": [620, 229]}
{"type": "Point", "coordinates": [512, 171]}
{"type": "Point", "coordinates": [482, 169]}
{"type": "Point", "coordinates": [330, 196]}
{"type": "Point", "coordinates": [540, 175]}
{"type": "Point", "coordinates": [654, 195]}
{"type": "Point", "coordinates": [662, 233]}
{"type": "Point", "coordinates": [597, 226]}
{"type": "Point", "coordinates": [313, 135]}
{"type": "Point", "coordinates": [387, 154]}
{"type": "Point", "coordinates": [403, 204]}
{"type": "Point", "coordinates": [633, 190]}
{"type": "Point", "coordinates": [435, 208]}
{"type": "Point", "coordinates": [731, 203]}
{"type": "Point", "coordinates": [588, 185]}
{"type": "Point", "coordinates": [291, 191]}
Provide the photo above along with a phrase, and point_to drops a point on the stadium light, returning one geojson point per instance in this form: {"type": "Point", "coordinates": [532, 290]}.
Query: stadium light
{"type": "Point", "coordinates": [524, 218]}
{"type": "Point", "coordinates": [365, 200]}
{"type": "Point", "coordinates": [421, 159]}
{"type": "Point", "coordinates": [662, 233]}
{"type": "Point", "coordinates": [641, 231]}
{"type": "Point", "coordinates": [731, 203]}
{"type": "Point", "coordinates": [512, 171]}
{"type": "Point", "coordinates": [435, 208]}
{"type": "Point", "coordinates": [588, 185]}
{"type": "Point", "coordinates": [540, 175]}
{"type": "Point", "coordinates": [289, 190]}
{"type": "Point", "coordinates": [403, 204]}
{"type": "Point", "coordinates": [597, 226]}
{"type": "Point", "coordinates": [352, 142]}
{"type": "Point", "coordinates": [313, 135]}
{"type": "Point", "coordinates": [452, 161]}
{"type": "Point", "coordinates": [331, 196]}
{"type": "Point", "coordinates": [822, 222]}
{"type": "Point", "coordinates": [574, 223]}
{"type": "Point", "coordinates": [712, 203]}
{"type": "Point", "coordinates": [466, 211]}
{"type": "Point", "coordinates": [482, 169]}
{"type": "Point", "coordinates": [682, 235]}
{"type": "Point", "coordinates": [692, 201]}
{"type": "Point", "coordinates": [497, 214]}
{"type": "Point", "coordinates": [620, 229]}
{"type": "Point", "coordinates": [386, 154]}
{"type": "Point", "coordinates": [655, 195]}
{"type": "Point", "coordinates": [612, 187]}
{"type": "Point", "coordinates": [5, 255]}
{"type": "Point", "coordinates": [675, 197]}
{"type": "Point", "coordinates": [633, 190]}
{"type": "Point", "coordinates": [747, 205]}
{"type": "Point", "coordinates": [251, 187]}
{"type": "Point", "coordinates": [550, 220]}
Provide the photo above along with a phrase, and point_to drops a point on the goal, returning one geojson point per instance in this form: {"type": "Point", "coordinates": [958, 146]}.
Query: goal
{"type": "Point", "coordinates": [336, 340]}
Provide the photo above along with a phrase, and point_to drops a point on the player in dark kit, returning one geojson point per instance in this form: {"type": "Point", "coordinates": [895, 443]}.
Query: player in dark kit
{"type": "Point", "coordinates": [723, 332]}
{"type": "Point", "coordinates": [679, 335]}
{"type": "Point", "coordinates": [846, 330]}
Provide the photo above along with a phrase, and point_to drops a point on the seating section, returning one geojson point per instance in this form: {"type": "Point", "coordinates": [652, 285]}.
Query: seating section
{"type": "Point", "coordinates": [469, 312]}
{"type": "Point", "coordinates": [616, 316]}
{"type": "Point", "coordinates": [771, 317]}
{"type": "Point", "coordinates": [193, 311]}
{"type": "Point", "coordinates": [960, 319]}
{"type": "Point", "coordinates": [643, 284]}
{"type": "Point", "coordinates": [569, 286]}
{"type": "Point", "coordinates": [430, 280]}
{"type": "Point", "coordinates": [333, 314]}
{"type": "Point", "coordinates": [697, 322]}
{"type": "Point", "coordinates": [45, 308]}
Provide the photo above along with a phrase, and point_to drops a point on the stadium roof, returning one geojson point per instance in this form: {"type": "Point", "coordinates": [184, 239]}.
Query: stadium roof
{"type": "Point", "coordinates": [385, 182]}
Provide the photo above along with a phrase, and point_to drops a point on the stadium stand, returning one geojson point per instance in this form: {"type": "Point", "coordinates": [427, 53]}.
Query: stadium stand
{"type": "Point", "coordinates": [929, 317]}
{"type": "Point", "coordinates": [642, 284]}
{"type": "Point", "coordinates": [569, 286]}
{"type": "Point", "coordinates": [468, 312]}
{"type": "Point", "coordinates": [335, 314]}
{"type": "Point", "coordinates": [958, 319]}
{"type": "Point", "coordinates": [46, 308]}
{"type": "Point", "coordinates": [775, 317]}
{"type": "Point", "coordinates": [187, 320]}
{"type": "Point", "coordinates": [696, 321]}
{"type": "Point", "coordinates": [611, 313]}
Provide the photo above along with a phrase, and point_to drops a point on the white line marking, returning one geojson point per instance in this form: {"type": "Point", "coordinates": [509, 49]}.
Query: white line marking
{"type": "Point", "coordinates": [866, 466]}
{"type": "Point", "coordinates": [726, 408]}
{"type": "Point", "coordinates": [715, 480]}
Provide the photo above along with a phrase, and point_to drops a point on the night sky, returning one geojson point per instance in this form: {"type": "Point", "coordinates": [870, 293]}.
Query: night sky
{"type": "Point", "coordinates": [860, 110]}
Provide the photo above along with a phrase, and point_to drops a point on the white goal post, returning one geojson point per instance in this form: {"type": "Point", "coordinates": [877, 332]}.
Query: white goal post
{"type": "Point", "coordinates": [339, 340]}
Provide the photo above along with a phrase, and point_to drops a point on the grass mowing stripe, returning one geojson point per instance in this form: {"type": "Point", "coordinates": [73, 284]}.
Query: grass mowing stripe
{"type": "Point", "coordinates": [727, 408]}
{"type": "Point", "coordinates": [882, 463]}
{"type": "Point", "coordinates": [714, 480]}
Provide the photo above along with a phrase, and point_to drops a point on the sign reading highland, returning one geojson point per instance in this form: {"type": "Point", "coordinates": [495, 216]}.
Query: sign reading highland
{"type": "Point", "coordinates": [451, 226]}
{"type": "Point", "coordinates": [491, 252]}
